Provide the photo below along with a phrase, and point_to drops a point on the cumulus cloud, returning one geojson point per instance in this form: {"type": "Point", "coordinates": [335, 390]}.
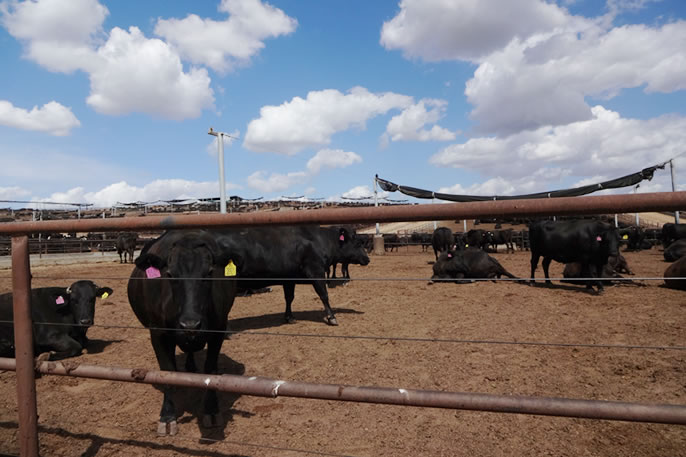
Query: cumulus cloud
{"type": "Point", "coordinates": [435, 30]}
{"type": "Point", "coordinates": [274, 182]}
{"type": "Point", "coordinates": [52, 118]}
{"type": "Point", "coordinates": [331, 158]}
{"type": "Point", "coordinates": [539, 69]}
{"type": "Point", "coordinates": [409, 124]}
{"type": "Point", "coordinates": [310, 122]}
{"type": "Point", "coordinates": [161, 189]}
{"type": "Point", "coordinates": [222, 45]}
{"type": "Point", "coordinates": [128, 72]}
{"type": "Point", "coordinates": [13, 193]}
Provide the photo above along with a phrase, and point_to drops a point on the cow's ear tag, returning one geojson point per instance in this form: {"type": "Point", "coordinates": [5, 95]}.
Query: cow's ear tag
{"type": "Point", "coordinates": [152, 272]}
{"type": "Point", "coordinates": [60, 300]}
{"type": "Point", "coordinates": [598, 238]}
{"type": "Point", "coordinates": [104, 295]}
{"type": "Point", "coordinates": [450, 255]}
{"type": "Point", "coordinates": [342, 238]}
{"type": "Point", "coordinates": [230, 269]}
{"type": "Point", "coordinates": [466, 245]}
{"type": "Point", "coordinates": [625, 237]}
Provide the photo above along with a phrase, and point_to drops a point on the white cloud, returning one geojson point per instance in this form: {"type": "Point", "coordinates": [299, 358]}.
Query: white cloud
{"type": "Point", "coordinates": [13, 193]}
{"type": "Point", "coordinates": [161, 189]}
{"type": "Point", "coordinates": [221, 45]}
{"type": "Point", "coordinates": [362, 192]}
{"type": "Point", "coordinates": [331, 158]}
{"type": "Point", "coordinates": [52, 118]}
{"type": "Point", "coordinates": [128, 72]}
{"type": "Point", "coordinates": [608, 142]}
{"type": "Point", "coordinates": [409, 124]}
{"type": "Point", "coordinates": [310, 122]}
{"type": "Point", "coordinates": [137, 74]}
{"type": "Point", "coordinates": [275, 182]}
{"type": "Point", "coordinates": [436, 30]}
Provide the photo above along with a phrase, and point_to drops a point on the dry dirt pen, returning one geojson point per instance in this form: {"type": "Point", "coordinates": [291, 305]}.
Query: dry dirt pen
{"type": "Point", "coordinates": [395, 331]}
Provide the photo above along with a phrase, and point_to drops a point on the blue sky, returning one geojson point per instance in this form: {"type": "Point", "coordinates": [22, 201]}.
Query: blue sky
{"type": "Point", "coordinates": [110, 101]}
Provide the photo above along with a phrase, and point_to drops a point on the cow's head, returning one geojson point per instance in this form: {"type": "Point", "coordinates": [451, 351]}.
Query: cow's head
{"type": "Point", "coordinates": [609, 241]}
{"type": "Point", "coordinates": [449, 265]}
{"type": "Point", "coordinates": [80, 297]}
{"type": "Point", "coordinates": [352, 248]}
{"type": "Point", "coordinates": [189, 264]}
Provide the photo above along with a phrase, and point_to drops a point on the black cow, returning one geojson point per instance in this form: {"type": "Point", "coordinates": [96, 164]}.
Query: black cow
{"type": "Point", "coordinates": [501, 237]}
{"type": "Point", "coordinates": [423, 239]}
{"type": "Point", "coordinates": [73, 306]}
{"type": "Point", "coordinates": [442, 240]}
{"type": "Point", "coordinates": [346, 257]}
{"type": "Point", "coordinates": [675, 251]}
{"type": "Point", "coordinates": [470, 263]}
{"type": "Point", "coordinates": [291, 255]}
{"type": "Point", "coordinates": [676, 270]}
{"type": "Point", "coordinates": [175, 291]}
{"type": "Point", "coordinates": [612, 269]}
{"type": "Point", "coordinates": [589, 242]}
{"type": "Point", "coordinates": [126, 244]}
{"type": "Point", "coordinates": [460, 240]}
{"type": "Point", "coordinates": [391, 241]}
{"type": "Point", "coordinates": [634, 237]}
{"type": "Point", "coordinates": [672, 232]}
{"type": "Point", "coordinates": [478, 238]}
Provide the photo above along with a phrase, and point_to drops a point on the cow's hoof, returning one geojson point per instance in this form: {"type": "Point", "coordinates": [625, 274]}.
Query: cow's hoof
{"type": "Point", "coordinates": [290, 320]}
{"type": "Point", "coordinates": [211, 420]}
{"type": "Point", "coordinates": [331, 320]}
{"type": "Point", "coordinates": [167, 428]}
{"type": "Point", "coordinates": [430, 283]}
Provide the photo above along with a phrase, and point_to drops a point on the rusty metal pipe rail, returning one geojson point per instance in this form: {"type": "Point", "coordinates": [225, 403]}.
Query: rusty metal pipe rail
{"type": "Point", "coordinates": [566, 206]}
{"type": "Point", "coordinates": [266, 387]}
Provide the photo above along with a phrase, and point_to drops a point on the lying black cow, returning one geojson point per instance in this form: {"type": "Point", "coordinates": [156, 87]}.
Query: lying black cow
{"type": "Point", "coordinates": [73, 306]}
{"type": "Point", "coordinates": [672, 232]}
{"type": "Point", "coordinates": [676, 270]}
{"type": "Point", "coordinates": [501, 237]}
{"type": "Point", "coordinates": [442, 240]}
{"type": "Point", "coordinates": [478, 238]}
{"type": "Point", "coordinates": [470, 263]}
{"type": "Point", "coordinates": [126, 244]}
{"type": "Point", "coordinates": [277, 254]}
{"type": "Point", "coordinates": [611, 270]}
{"type": "Point", "coordinates": [590, 243]}
{"type": "Point", "coordinates": [675, 251]}
{"type": "Point", "coordinates": [174, 290]}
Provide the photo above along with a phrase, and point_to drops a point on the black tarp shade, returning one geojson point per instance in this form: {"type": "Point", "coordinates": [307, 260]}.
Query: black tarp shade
{"type": "Point", "coordinates": [624, 181]}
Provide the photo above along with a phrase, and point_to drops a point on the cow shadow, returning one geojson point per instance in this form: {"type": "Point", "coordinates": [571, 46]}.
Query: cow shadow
{"type": "Point", "coordinates": [277, 319]}
{"type": "Point", "coordinates": [189, 400]}
{"type": "Point", "coordinates": [98, 346]}
{"type": "Point", "coordinates": [579, 287]}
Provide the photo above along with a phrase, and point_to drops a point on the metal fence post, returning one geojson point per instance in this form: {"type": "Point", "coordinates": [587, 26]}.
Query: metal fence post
{"type": "Point", "coordinates": [23, 343]}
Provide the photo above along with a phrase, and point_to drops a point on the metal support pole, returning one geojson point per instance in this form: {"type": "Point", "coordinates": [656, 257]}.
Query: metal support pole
{"type": "Point", "coordinates": [23, 343]}
{"type": "Point", "coordinates": [220, 152]}
{"type": "Point", "coordinates": [616, 221]}
{"type": "Point", "coordinates": [464, 225]}
{"type": "Point", "coordinates": [638, 222]}
{"type": "Point", "coordinates": [376, 202]}
{"type": "Point", "coordinates": [433, 200]}
{"type": "Point", "coordinates": [671, 170]}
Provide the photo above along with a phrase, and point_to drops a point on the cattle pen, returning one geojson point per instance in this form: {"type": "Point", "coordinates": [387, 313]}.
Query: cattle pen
{"type": "Point", "coordinates": [25, 365]}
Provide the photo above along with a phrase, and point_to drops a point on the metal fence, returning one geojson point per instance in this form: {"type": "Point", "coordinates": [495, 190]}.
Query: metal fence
{"type": "Point", "coordinates": [21, 283]}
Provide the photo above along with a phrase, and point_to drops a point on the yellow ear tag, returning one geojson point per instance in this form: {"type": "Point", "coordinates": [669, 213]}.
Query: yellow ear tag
{"type": "Point", "coordinates": [104, 295]}
{"type": "Point", "coordinates": [230, 269]}
{"type": "Point", "coordinates": [466, 245]}
{"type": "Point", "coordinates": [625, 237]}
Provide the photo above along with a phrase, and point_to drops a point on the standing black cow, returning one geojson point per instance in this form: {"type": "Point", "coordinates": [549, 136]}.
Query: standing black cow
{"type": "Point", "coordinates": [423, 239]}
{"type": "Point", "coordinates": [501, 237]}
{"type": "Point", "coordinates": [675, 251]}
{"type": "Point", "coordinates": [126, 244]}
{"type": "Point", "coordinates": [478, 238]}
{"type": "Point", "coordinates": [71, 309]}
{"type": "Point", "coordinates": [288, 256]}
{"type": "Point", "coordinates": [672, 232]}
{"type": "Point", "coordinates": [176, 292]}
{"type": "Point", "coordinates": [442, 240]}
{"type": "Point", "coordinates": [470, 263]}
{"type": "Point", "coordinates": [589, 242]}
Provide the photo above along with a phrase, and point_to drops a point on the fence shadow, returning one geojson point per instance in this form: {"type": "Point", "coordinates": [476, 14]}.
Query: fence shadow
{"type": "Point", "coordinates": [96, 443]}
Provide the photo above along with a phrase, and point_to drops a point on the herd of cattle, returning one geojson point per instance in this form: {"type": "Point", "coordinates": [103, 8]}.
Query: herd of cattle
{"type": "Point", "coordinates": [175, 291]}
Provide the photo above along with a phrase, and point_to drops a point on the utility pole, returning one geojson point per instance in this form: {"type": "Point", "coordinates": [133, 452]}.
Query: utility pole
{"type": "Point", "coordinates": [220, 152]}
{"type": "Point", "coordinates": [671, 169]}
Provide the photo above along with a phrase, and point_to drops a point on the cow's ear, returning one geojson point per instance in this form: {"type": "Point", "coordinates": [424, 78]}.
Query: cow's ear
{"type": "Point", "coordinates": [343, 235]}
{"type": "Point", "coordinates": [147, 260]}
{"type": "Point", "coordinates": [103, 292]}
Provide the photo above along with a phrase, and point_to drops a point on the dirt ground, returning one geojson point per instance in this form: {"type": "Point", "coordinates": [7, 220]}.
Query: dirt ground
{"type": "Point", "coordinates": [393, 307]}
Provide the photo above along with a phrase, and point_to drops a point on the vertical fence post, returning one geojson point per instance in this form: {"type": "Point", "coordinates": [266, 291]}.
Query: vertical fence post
{"type": "Point", "coordinates": [23, 343]}
{"type": "Point", "coordinates": [671, 171]}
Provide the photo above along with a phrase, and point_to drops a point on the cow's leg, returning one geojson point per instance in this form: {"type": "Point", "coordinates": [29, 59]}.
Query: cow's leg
{"type": "Point", "coordinates": [211, 416]}
{"type": "Point", "coordinates": [289, 295]}
{"type": "Point", "coordinates": [599, 275]}
{"type": "Point", "coordinates": [344, 270]}
{"type": "Point", "coordinates": [120, 259]}
{"type": "Point", "coordinates": [546, 266]}
{"type": "Point", "coordinates": [190, 363]}
{"type": "Point", "coordinates": [320, 287]}
{"type": "Point", "coordinates": [63, 346]}
{"type": "Point", "coordinates": [534, 265]}
{"type": "Point", "coordinates": [164, 346]}
{"type": "Point", "coordinates": [333, 282]}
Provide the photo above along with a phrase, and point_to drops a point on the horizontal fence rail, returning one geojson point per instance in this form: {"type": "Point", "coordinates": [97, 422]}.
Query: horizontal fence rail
{"type": "Point", "coordinates": [266, 387]}
{"type": "Point", "coordinates": [605, 204]}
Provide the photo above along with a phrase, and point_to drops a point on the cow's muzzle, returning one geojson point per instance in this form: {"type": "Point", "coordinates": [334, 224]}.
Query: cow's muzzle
{"type": "Point", "coordinates": [189, 324]}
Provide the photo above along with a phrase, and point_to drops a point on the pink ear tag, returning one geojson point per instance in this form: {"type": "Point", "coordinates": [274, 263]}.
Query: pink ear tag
{"type": "Point", "coordinates": [152, 272]}
{"type": "Point", "coordinates": [598, 238]}
{"type": "Point", "coordinates": [60, 300]}
{"type": "Point", "coordinates": [449, 255]}
{"type": "Point", "coordinates": [342, 238]}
